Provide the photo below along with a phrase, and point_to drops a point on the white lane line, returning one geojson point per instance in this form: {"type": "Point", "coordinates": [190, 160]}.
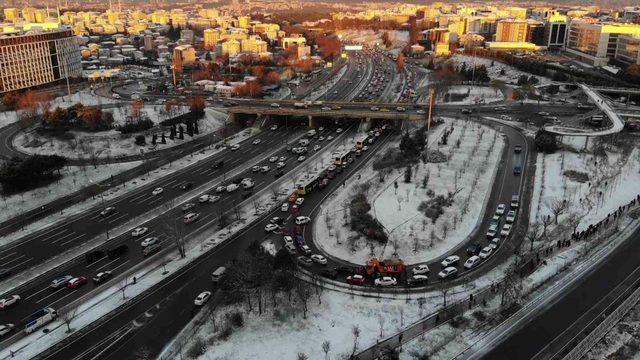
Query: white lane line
{"type": "Point", "coordinates": [147, 198]}
{"type": "Point", "coordinates": [117, 218]}
{"type": "Point", "coordinates": [168, 182]}
{"type": "Point", "coordinates": [71, 292]}
{"type": "Point", "coordinates": [22, 263]}
{"type": "Point", "coordinates": [53, 235]}
{"type": "Point", "coordinates": [8, 255]}
{"type": "Point", "coordinates": [136, 198]}
{"type": "Point", "coordinates": [115, 268]}
{"type": "Point", "coordinates": [61, 238]}
{"type": "Point", "coordinates": [155, 201]}
{"type": "Point", "coordinates": [97, 261]}
{"type": "Point", "coordinates": [107, 264]}
{"type": "Point", "coordinates": [37, 292]}
{"type": "Point", "coordinates": [53, 293]}
{"type": "Point", "coordinates": [95, 216]}
{"type": "Point", "coordinates": [14, 259]}
{"type": "Point", "coordinates": [73, 239]}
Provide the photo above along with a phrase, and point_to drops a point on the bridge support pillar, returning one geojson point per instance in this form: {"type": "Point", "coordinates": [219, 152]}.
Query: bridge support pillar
{"type": "Point", "coordinates": [312, 122]}
{"type": "Point", "coordinates": [586, 142]}
{"type": "Point", "coordinates": [365, 125]}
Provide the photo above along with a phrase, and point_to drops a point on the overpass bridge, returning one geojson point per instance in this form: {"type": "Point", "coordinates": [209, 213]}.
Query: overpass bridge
{"type": "Point", "coordinates": [617, 90]}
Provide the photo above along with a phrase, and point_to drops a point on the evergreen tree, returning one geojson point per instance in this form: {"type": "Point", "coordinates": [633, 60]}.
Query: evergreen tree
{"type": "Point", "coordinates": [195, 127]}
{"type": "Point", "coordinates": [180, 132]}
{"type": "Point", "coordinates": [163, 139]}
{"type": "Point", "coordinates": [154, 139]}
{"type": "Point", "coordinates": [190, 128]}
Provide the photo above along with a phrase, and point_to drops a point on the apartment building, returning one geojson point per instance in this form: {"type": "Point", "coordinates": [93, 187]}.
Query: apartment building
{"type": "Point", "coordinates": [596, 43]}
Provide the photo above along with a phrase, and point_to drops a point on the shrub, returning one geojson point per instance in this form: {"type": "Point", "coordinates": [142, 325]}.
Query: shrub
{"type": "Point", "coordinates": [479, 315]}
{"type": "Point", "coordinates": [226, 332]}
{"type": "Point", "coordinates": [198, 348]}
{"type": "Point", "coordinates": [237, 319]}
{"type": "Point", "coordinates": [25, 174]}
{"type": "Point", "coordinates": [133, 127]}
{"type": "Point", "coordinates": [140, 140]}
{"type": "Point", "coordinates": [546, 141]}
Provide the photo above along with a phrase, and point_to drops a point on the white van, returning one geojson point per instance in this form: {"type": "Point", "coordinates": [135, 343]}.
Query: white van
{"type": "Point", "coordinates": [218, 274]}
{"type": "Point", "coordinates": [472, 262]}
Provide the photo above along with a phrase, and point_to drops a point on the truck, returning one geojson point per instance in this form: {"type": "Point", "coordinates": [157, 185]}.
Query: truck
{"type": "Point", "coordinates": [299, 105]}
{"type": "Point", "coordinates": [40, 318]}
{"type": "Point", "coordinates": [386, 267]}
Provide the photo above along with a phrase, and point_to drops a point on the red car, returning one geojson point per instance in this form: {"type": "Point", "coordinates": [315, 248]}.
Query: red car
{"type": "Point", "coordinates": [76, 282]}
{"type": "Point", "coordinates": [355, 279]}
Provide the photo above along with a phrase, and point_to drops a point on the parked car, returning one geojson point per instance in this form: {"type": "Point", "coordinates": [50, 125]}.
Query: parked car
{"type": "Point", "coordinates": [204, 198]}
{"type": "Point", "coordinates": [202, 298]}
{"type": "Point", "coordinates": [8, 301]}
{"type": "Point", "coordinates": [291, 249]}
{"type": "Point", "coordinates": [304, 261]}
{"type": "Point", "coordinates": [472, 262]}
{"type": "Point", "coordinates": [474, 249]}
{"type": "Point", "coordinates": [386, 281]}
{"type": "Point", "coordinates": [416, 280]}
{"type": "Point", "coordinates": [495, 243]}
{"type": "Point", "coordinates": [420, 269]}
{"type": "Point", "coordinates": [501, 209]}
{"type": "Point", "coordinates": [511, 216]}
{"type": "Point", "coordinates": [447, 273]}
{"type": "Point", "coordinates": [486, 252]}
{"type": "Point", "coordinates": [450, 260]}
{"type": "Point", "coordinates": [271, 227]}
{"type": "Point", "coordinates": [506, 229]}
{"type": "Point", "coordinates": [7, 328]}
{"type": "Point", "coordinates": [305, 249]}
{"type": "Point", "coordinates": [186, 207]}
{"type": "Point", "coordinates": [317, 258]}
{"type": "Point", "coordinates": [284, 207]}
{"type": "Point", "coordinates": [355, 279]}
{"type": "Point", "coordinates": [301, 220]}
{"type": "Point", "coordinates": [492, 231]}
{"type": "Point", "coordinates": [515, 201]}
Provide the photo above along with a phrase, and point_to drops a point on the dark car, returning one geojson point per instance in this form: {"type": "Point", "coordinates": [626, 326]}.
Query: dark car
{"type": "Point", "coordinates": [417, 280]}
{"type": "Point", "coordinates": [186, 186]}
{"type": "Point", "coordinates": [218, 164]}
{"type": "Point", "coordinates": [4, 273]}
{"type": "Point", "coordinates": [102, 277]}
{"type": "Point", "coordinates": [474, 249]}
{"type": "Point", "coordinates": [237, 181]}
{"type": "Point", "coordinates": [94, 256]}
{"type": "Point", "coordinates": [517, 149]}
{"type": "Point", "coordinates": [117, 251]}
{"type": "Point", "coordinates": [278, 173]}
{"type": "Point", "coordinates": [517, 170]}
{"type": "Point", "coordinates": [343, 270]}
{"type": "Point", "coordinates": [329, 274]}
{"type": "Point", "coordinates": [246, 194]}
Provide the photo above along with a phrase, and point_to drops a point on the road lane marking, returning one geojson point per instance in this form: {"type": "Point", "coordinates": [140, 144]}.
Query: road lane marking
{"type": "Point", "coordinates": [37, 292]}
{"type": "Point", "coordinates": [14, 259]}
{"type": "Point", "coordinates": [73, 239]}
{"type": "Point", "coordinates": [61, 238]}
{"type": "Point", "coordinates": [51, 294]}
{"type": "Point", "coordinates": [107, 264]}
{"type": "Point", "coordinates": [154, 201]}
{"type": "Point", "coordinates": [71, 292]}
{"type": "Point", "coordinates": [6, 256]}
{"type": "Point", "coordinates": [117, 218]}
{"type": "Point", "coordinates": [22, 263]}
{"type": "Point", "coordinates": [97, 261]}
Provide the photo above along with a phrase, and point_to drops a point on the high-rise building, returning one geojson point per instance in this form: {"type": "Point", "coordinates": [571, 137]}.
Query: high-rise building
{"type": "Point", "coordinates": [511, 31]}
{"type": "Point", "coordinates": [628, 49]}
{"type": "Point", "coordinates": [596, 44]}
{"type": "Point", "coordinates": [187, 36]}
{"type": "Point", "coordinates": [37, 58]}
{"type": "Point", "coordinates": [555, 34]}
{"type": "Point", "coordinates": [11, 14]}
{"type": "Point", "coordinates": [183, 55]}
{"type": "Point", "coordinates": [211, 38]}
{"type": "Point", "coordinates": [149, 43]}
{"type": "Point", "coordinates": [535, 32]}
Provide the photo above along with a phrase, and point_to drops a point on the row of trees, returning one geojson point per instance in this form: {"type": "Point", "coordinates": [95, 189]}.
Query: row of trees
{"type": "Point", "coordinates": [78, 116]}
{"type": "Point", "coordinates": [19, 175]}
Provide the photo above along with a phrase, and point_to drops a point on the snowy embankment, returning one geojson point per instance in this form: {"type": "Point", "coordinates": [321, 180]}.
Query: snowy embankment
{"type": "Point", "coordinates": [471, 155]}
{"type": "Point", "coordinates": [73, 178]}
{"type": "Point", "coordinates": [113, 144]}
{"type": "Point", "coordinates": [372, 38]}
{"type": "Point", "coordinates": [473, 95]}
{"type": "Point", "coordinates": [495, 69]}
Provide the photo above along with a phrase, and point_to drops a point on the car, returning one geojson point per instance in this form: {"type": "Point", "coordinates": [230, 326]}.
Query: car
{"type": "Point", "coordinates": [355, 279]}
{"type": "Point", "coordinates": [271, 227]}
{"type": "Point", "coordinates": [256, 168]}
{"type": "Point", "coordinates": [321, 138]}
{"type": "Point", "coordinates": [304, 261]}
{"type": "Point", "coordinates": [273, 127]}
{"type": "Point", "coordinates": [288, 239]}
{"type": "Point", "coordinates": [511, 216]}
{"type": "Point", "coordinates": [336, 107]}
{"type": "Point", "coordinates": [506, 229]}
{"type": "Point", "coordinates": [76, 282]}
{"type": "Point", "coordinates": [517, 149]}
{"type": "Point", "coordinates": [186, 186]}
{"type": "Point", "coordinates": [401, 109]}
{"type": "Point", "coordinates": [517, 170]}
{"type": "Point", "coordinates": [421, 112]}
{"type": "Point", "coordinates": [214, 198]}
{"type": "Point", "coordinates": [218, 164]}
{"type": "Point", "coordinates": [338, 130]}
{"type": "Point", "coordinates": [325, 108]}
{"type": "Point", "coordinates": [265, 169]}
{"type": "Point", "coordinates": [187, 206]}
{"type": "Point", "coordinates": [157, 191]}
{"type": "Point", "coordinates": [420, 269]}
{"type": "Point", "coordinates": [221, 188]}
{"type": "Point", "coordinates": [329, 274]}
{"type": "Point", "coordinates": [505, 117]}
{"type": "Point", "coordinates": [416, 280]}
{"type": "Point", "coordinates": [232, 187]}
{"type": "Point", "coordinates": [274, 105]}
{"type": "Point", "coordinates": [374, 108]}
{"type": "Point", "coordinates": [151, 249]}
{"type": "Point", "coordinates": [448, 272]}
{"type": "Point", "coordinates": [256, 141]}
{"type": "Point", "coordinates": [472, 262]}
{"type": "Point", "coordinates": [277, 220]}
{"type": "Point", "coordinates": [317, 258]}
{"type": "Point", "coordinates": [496, 218]}
{"type": "Point", "coordinates": [543, 113]}
{"type": "Point", "coordinates": [202, 298]}
{"type": "Point", "coordinates": [329, 138]}
{"type": "Point", "coordinates": [107, 211]}
{"type": "Point", "coordinates": [4, 273]}
{"type": "Point", "coordinates": [301, 220]}
{"type": "Point", "coordinates": [515, 201]}
{"type": "Point", "coordinates": [495, 243]}
{"type": "Point", "coordinates": [139, 231]}
{"type": "Point", "coordinates": [149, 241]}
{"type": "Point", "coordinates": [280, 165]}
{"type": "Point", "coordinates": [299, 201]}
{"type": "Point", "coordinates": [301, 158]}
{"type": "Point", "coordinates": [316, 147]}
{"type": "Point", "coordinates": [6, 328]}
{"type": "Point", "coordinates": [8, 301]}
{"type": "Point", "coordinates": [190, 217]}
{"type": "Point", "coordinates": [500, 209]}
{"type": "Point", "coordinates": [450, 260]}
{"type": "Point", "coordinates": [305, 249]}
{"type": "Point", "coordinates": [386, 281]}
{"type": "Point", "coordinates": [102, 277]}
{"type": "Point", "coordinates": [273, 159]}
{"type": "Point", "coordinates": [291, 249]}
{"type": "Point", "coordinates": [284, 207]}
{"type": "Point", "coordinates": [474, 249]}
{"type": "Point", "coordinates": [465, 111]}
{"type": "Point", "coordinates": [492, 231]}
{"type": "Point", "coordinates": [486, 252]}
{"type": "Point", "coordinates": [235, 147]}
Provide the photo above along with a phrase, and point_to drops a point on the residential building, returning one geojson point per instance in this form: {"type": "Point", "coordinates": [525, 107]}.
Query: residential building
{"type": "Point", "coordinates": [511, 30]}
{"type": "Point", "coordinates": [183, 55]}
{"type": "Point", "coordinates": [597, 43]}
{"type": "Point", "coordinates": [293, 39]}
{"type": "Point", "coordinates": [628, 49]}
{"type": "Point", "coordinates": [211, 38]}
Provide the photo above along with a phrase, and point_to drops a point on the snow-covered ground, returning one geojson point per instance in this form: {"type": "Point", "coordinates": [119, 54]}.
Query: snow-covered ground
{"type": "Point", "coordinates": [370, 38]}
{"type": "Point", "coordinates": [475, 94]}
{"type": "Point", "coordinates": [621, 342]}
{"type": "Point", "coordinates": [494, 68]}
{"type": "Point", "coordinates": [610, 181]}
{"type": "Point", "coordinates": [416, 238]}
{"type": "Point", "coordinates": [113, 144]}
{"type": "Point", "coordinates": [73, 179]}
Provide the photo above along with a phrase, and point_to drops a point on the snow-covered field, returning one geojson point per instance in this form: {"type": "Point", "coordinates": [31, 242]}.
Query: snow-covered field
{"type": "Point", "coordinates": [370, 38]}
{"type": "Point", "coordinates": [73, 179]}
{"type": "Point", "coordinates": [112, 144]}
{"type": "Point", "coordinates": [475, 94]}
{"type": "Point", "coordinates": [511, 74]}
{"type": "Point", "coordinates": [412, 235]}
{"type": "Point", "coordinates": [611, 181]}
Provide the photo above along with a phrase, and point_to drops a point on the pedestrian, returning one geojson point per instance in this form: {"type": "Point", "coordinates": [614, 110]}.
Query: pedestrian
{"type": "Point", "coordinates": [134, 279]}
{"type": "Point", "coordinates": [437, 318]}
{"type": "Point", "coordinates": [568, 243]}
{"type": "Point", "coordinates": [558, 244]}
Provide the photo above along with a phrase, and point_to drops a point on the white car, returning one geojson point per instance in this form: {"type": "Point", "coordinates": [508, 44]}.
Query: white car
{"type": "Point", "coordinates": [256, 168]}
{"type": "Point", "coordinates": [301, 158]}
{"type": "Point", "coordinates": [232, 187]}
{"type": "Point", "coordinates": [386, 281]}
{"type": "Point", "coordinates": [450, 260]}
{"type": "Point", "coordinates": [139, 231]}
{"type": "Point", "coordinates": [9, 301]}
{"type": "Point", "coordinates": [299, 201]}
{"type": "Point", "coordinates": [202, 298]}
{"type": "Point", "coordinates": [301, 220]}
{"type": "Point", "coordinates": [420, 269]}
{"type": "Point", "coordinates": [190, 217]}
{"type": "Point", "coordinates": [149, 241]}
{"type": "Point", "coordinates": [543, 113]}
{"type": "Point", "coordinates": [492, 231]}
{"type": "Point", "coordinates": [284, 207]}
{"type": "Point", "coordinates": [338, 130]}
{"type": "Point", "coordinates": [329, 138]}
{"type": "Point", "coordinates": [321, 138]}
{"type": "Point", "coordinates": [317, 258]}
{"type": "Point", "coordinates": [214, 198]}
{"type": "Point", "coordinates": [472, 262]}
{"type": "Point", "coordinates": [274, 127]}
{"type": "Point", "coordinates": [280, 165]}
{"type": "Point", "coordinates": [305, 249]}
{"type": "Point", "coordinates": [235, 147]}
{"type": "Point", "coordinates": [204, 198]}
{"type": "Point", "coordinates": [271, 227]}
{"type": "Point", "coordinates": [274, 105]}
{"type": "Point", "coordinates": [495, 243]}
{"type": "Point", "coordinates": [316, 147]}
{"type": "Point", "coordinates": [287, 239]}
{"type": "Point", "coordinates": [420, 112]}
{"type": "Point", "coordinates": [375, 108]}
{"type": "Point", "coordinates": [511, 216]}
{"type": "Point", "coordinates": [325, 108]}
{"type": "Point", "coordinates": [5, 329]}
{"type": "Point", "coordinates": [447, 272]}
{"type": "Point", "coordinates": [282, 159]}
{"type": "Point", "coordinates": [221, 188]}
{"type": "Point", "coordinates": [506, 229]}
{"type": "Point", "coordinates": [501, 209]}
{"type": "Point", "coordinates": [273, 159]}
{"type": "Point", "coordinates": [157, 191]}
{"type": "Point", "coordinates": [486, 252]}
{"type": "Point", "coordinates": [257, 141]}
{"type": "Point", "coordinates": [265, 169]}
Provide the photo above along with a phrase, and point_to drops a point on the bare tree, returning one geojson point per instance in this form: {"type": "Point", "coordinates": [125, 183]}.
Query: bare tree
{"type": "Point", "coordinates": [574, 221]}
{"type": "Point", "coordinates": [303, 292]}
{"type": "Point", "coordinates": [355, 330]}
{"type": "Point", "coordinates": [381, 321]}
{"type": "Point", "coordinates": [326, 347]}
{"type": "Point", "coordinates": [444, 290]}
{"type": "Point", "coordinates": [122, 286]}
{"type": "Point", "coordinates": [558, 207]}
{"type": "Point", "coordinates": [533, 234]}
{"type": "Point", "coordinates": [67, 317]}
{"type": "Point", "coordinates": [546, 221]}
{"type": "Point", "coordinates": [143, 353]}
{"type": "Point", "coordinates": [511, 286]}
{"type": "Point", "coordinates": [176, 232]}
{"type": "Point", "coordinates": [302, 356]}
